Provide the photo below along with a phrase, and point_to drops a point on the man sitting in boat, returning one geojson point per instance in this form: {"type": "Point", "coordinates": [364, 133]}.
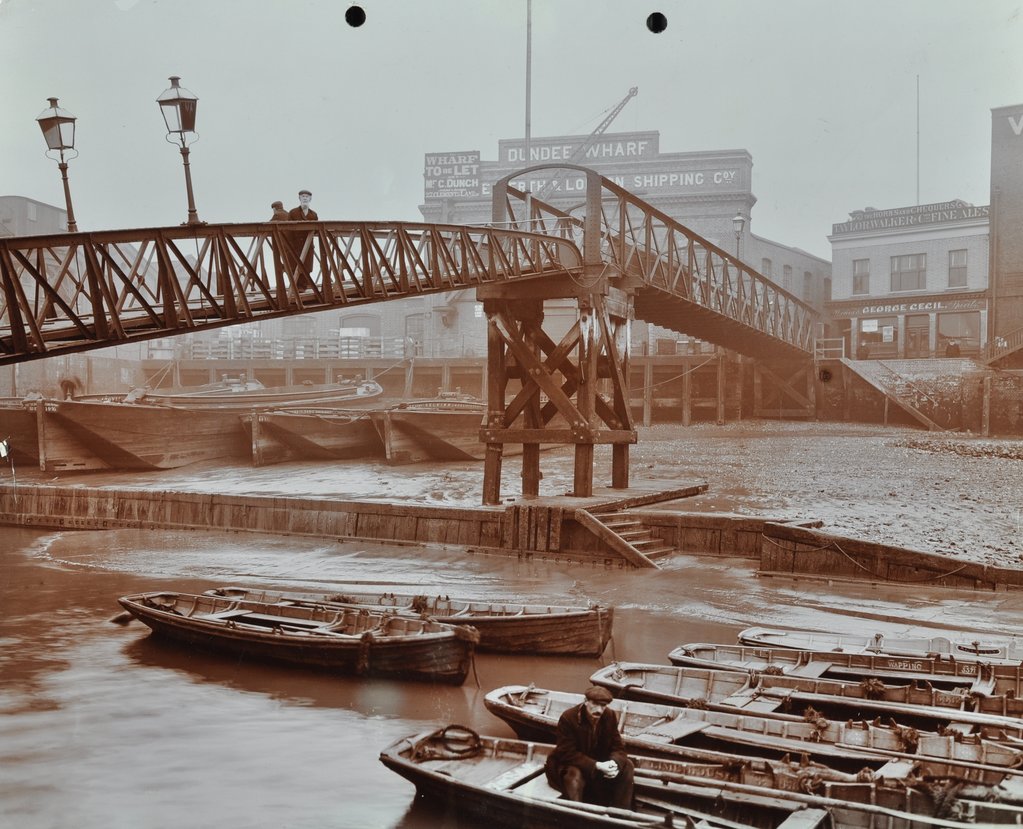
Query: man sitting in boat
{"type": "Point", "coordinates": [589, 762]}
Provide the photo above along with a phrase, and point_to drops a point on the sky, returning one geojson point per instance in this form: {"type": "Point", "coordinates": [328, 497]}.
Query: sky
{"type": "Point", "coordinates": [823, 94]}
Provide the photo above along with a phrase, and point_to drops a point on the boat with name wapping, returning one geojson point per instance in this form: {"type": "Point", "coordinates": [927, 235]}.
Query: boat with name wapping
{"type": "Point", "coordinates": [341, 640]}
{"type": "Point", "coordinates": [503, 781]}
{"type": "Point", "coordinates": [698, 733]}
{"type": "Point", "coordinates": [504, 627]}
{"type": "Point", "coordinates": [964, 648]}
{"type": "Point", "coordinates": [774, 696]}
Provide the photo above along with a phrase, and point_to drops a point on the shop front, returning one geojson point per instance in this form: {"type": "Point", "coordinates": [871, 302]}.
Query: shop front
{"type": "Point", "coordinates": [927, 326]}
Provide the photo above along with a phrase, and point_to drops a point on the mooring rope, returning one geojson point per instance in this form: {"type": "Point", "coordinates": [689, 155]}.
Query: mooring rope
{"type": "Point", "coordinates": [864, 568]}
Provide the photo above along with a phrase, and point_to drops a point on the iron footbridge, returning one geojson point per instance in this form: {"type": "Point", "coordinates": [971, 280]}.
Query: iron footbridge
{"type": "Point", "coordinates": [74, 292]}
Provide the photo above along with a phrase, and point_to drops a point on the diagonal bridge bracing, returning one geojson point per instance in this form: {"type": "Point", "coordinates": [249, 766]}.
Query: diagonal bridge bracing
{"type": "Point", "coordinates": [73, 292]}
{"type": "Point", "coordinates": [637, 262]}
{"type": "Point", "coordinates": [620, 260]}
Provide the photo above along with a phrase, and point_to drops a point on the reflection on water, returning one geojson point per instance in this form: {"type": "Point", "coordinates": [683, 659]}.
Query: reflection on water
{"type": "Point", "coordinates": [104, 726]}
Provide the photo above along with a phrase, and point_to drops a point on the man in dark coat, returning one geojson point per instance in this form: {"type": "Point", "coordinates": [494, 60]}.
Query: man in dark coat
{"type": "Point", "coordinates": [589, 762]}
{"type": "Point", "coordinates": [303, 213]}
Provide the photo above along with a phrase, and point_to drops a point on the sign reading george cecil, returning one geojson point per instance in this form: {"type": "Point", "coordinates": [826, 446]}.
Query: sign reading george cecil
{"type": "Point", "coordinates": [452, 175]}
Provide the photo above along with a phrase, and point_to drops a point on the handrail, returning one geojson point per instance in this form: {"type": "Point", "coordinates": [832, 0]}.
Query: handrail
{"type": "Point", "coordinates": [826, 348]}
{"type": "Point", "coordinates": [72, 292]}
{"type": "Point", "coordinates": [639, 241]}
{"type": "Point", "coordinates": [1003, 344]}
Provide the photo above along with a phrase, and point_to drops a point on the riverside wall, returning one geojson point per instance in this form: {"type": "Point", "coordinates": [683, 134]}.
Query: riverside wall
{"type": "Point", "coordinates": [545, 530]}
{"type": "Point", "coordinates": [542, 529]}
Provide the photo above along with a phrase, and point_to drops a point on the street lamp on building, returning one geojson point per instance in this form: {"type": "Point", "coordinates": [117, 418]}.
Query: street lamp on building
{"type": "Point", "coordinates": [178, 107]}
{"type": "Point", "coordinates": [58, 126]}
{"type": "Point", "coordinates": [738, 223]}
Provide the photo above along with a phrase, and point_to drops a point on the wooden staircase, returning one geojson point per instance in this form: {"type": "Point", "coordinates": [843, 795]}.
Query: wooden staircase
{"type": "Point", "coordinates": [626, 535]}
{"type": "Point", "coordinates": [894, 387]}
{"type": "Point", "coordinates": [1003, 346]}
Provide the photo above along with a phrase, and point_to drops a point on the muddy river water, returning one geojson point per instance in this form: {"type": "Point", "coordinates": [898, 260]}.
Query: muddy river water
{"type": "Point", "coordinates": [102, 726]}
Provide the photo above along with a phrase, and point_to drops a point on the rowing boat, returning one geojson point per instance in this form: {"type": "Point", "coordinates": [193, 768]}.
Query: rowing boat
{"type": "Point", "coordinates": [700, 734]}
{"type": "Point", "coordinates": [779, 696]}
{"type": "Point", "coordinates": [341, 640]}
{"type": "Point", "coordinates": [971, 650]}
{"type": "Point", "coordinates": [502, 781]}
{"type": "Point", "coordinates": [939, 671]}
{"type": "Point", "coordinates": [504, 627]}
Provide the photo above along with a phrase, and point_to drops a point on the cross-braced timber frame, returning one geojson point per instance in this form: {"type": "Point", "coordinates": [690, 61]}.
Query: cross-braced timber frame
{"type": "Point", "coordinates": [558, 399]}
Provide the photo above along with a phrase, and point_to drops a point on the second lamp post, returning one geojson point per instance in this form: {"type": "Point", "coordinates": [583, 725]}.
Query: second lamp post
{"type": "Point", "coordinates": [178, 107]}
{"type": "Point", "coordinates": [58, 126]}
{"type": "Point", "coordinates": [738, 223]}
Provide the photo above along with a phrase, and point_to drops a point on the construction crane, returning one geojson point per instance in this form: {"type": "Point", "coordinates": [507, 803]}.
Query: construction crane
{"type": "Point", "coordinates": [581, 150]}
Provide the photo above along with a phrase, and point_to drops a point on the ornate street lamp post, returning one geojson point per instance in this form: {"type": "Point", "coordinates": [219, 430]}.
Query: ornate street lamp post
{"type": "Point", "coordinates": [58, 126]}
{"type": "Point", "coordinates": [738, 223]}
{"type": "Point", "coordinates": [178, 107]}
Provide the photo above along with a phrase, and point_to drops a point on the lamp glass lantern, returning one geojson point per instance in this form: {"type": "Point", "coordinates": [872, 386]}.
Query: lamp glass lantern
{"type": "Point", "coordinates": [178, 107]}
{"type": "Point", "coordinates": [58, 126]}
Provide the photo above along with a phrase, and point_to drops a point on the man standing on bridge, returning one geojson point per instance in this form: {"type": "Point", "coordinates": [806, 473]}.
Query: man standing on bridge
{"type": "Point", "coordinates": [303, 213]}
{"type": "Point", "coordinates": [589, 762]}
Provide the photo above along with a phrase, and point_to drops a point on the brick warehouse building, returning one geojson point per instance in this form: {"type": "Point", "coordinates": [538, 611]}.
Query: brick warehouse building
{"type": "Point", "coordinates": [909, 281]}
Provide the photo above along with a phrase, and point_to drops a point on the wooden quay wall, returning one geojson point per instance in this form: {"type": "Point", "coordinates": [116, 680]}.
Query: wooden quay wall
{"type": "Point", "coordinates": [543, 528]}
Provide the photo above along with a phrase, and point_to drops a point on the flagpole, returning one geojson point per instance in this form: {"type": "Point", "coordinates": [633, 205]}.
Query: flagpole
{"type": "Point", "coordinates": [529, 106]}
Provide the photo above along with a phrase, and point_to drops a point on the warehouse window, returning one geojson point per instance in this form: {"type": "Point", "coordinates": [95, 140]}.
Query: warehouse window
{"type": "Point", "coordinates": [861, 276]}
{"type": "Point", "coordinates": [909, 273]}
{"type": "Point", "coordinates": [957, 268]}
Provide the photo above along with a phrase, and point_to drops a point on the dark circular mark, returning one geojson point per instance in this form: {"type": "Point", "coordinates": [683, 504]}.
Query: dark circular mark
{"type": "Point", "coordinates": [657, 23]}
{"type": "Point", "coordinates": [825, 375]}
{"type": "Point", "coordinates": [355, 16]}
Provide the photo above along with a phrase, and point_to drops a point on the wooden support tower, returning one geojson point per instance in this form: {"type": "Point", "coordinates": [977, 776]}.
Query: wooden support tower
{"type": "Point", "coordinates": [571, 391]}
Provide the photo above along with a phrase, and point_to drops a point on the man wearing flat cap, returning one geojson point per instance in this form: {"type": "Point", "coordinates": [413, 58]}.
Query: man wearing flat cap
{"type": "Point", "coordinates": [280, 214]}
{"type": "Point", "coordinates": [303, 213]}
{"type": "Point", "coordinates": [589, 762]}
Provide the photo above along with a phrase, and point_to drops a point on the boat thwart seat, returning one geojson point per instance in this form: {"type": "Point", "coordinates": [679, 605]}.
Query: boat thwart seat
{"type": "Point", "coordinates": [815, 668]}
{"type": "Point", "coordinates": [672, 730]}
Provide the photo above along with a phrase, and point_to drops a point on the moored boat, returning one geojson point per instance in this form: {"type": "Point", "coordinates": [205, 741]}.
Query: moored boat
{"type": "Point", "coordinates": [504, 627]}
{"type": "Point", "coordinates": [251, 395]}
{"type": "Point", "coordinates": [698, 733]}
{"type": "Point", "coordinates": [780, 696]}
{"type": "Point", "coordinates": [976, 677]}
{"type": "Point", "coordinates": [445, 428]}
{"type": "Point", "coordinates": [340, 640]}
{"type": "Point", "coordinates": [503, 781]}
{"type": "Point", "coordinates": [967, 649]}
{"type": "Point", "coordinates": [282, 435]}
{"type": "Point", "coordinates": [139, 435]}
{"type": "Point", "coordinates": [39, 439]}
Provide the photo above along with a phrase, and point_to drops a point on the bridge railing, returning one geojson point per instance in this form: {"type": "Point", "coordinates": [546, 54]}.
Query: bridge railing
{"type": "Point", "coordinates": [316, 348]}
{"type": "Point", "coordinates": [642, 241]}
{"type": "Point", "coordinates": [77, 291]}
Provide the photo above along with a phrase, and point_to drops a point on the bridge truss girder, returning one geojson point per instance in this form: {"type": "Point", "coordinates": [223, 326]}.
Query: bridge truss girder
{"type": "Point", "coordinates": [74, 292]}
